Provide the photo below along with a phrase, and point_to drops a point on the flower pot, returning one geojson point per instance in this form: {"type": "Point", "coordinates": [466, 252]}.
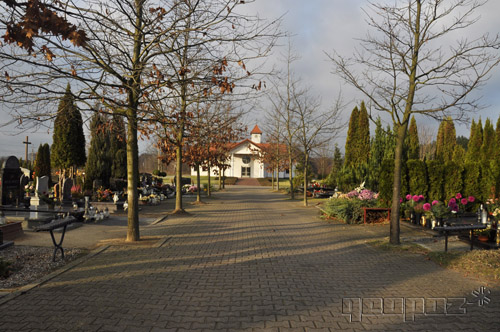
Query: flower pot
{"type": "Point", "coordinates": [483, 238]}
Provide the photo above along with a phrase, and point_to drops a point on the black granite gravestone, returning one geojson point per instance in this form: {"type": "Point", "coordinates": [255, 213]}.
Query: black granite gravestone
{"type": "Point", "coordinates": [10, 182]}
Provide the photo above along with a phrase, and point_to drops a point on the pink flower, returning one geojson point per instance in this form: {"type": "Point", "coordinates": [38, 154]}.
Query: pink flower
{"type": "Point", "coordinates": [454, 208]}
{"type": "Point", "coordinates": [416, 198]}
{"type": "Point", "coordinates": [421, 197]}
{"type": "Point", "coordinates": [435, 202]}
{"type": "Point", "coordinates": [464, 201]}
{"type": "Point", "coordinates": [452, 201]}
{"type": "Point", "coordinates": [426, 207]}
{"type": "Point", "coordinates": [400, 200]}
{"type": "Point", "coordinates": [471, 199]}
{"type": "Point", "coordinates": [408, 197]}
{"type": "Point", "coordinates": [458, 195]}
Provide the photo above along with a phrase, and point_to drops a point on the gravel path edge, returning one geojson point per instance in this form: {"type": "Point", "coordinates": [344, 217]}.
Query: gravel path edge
{"type": "Point", "coordinates": [8, 296]}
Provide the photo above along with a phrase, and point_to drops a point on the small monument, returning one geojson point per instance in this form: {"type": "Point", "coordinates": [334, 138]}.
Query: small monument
{"type": "Point", "coordinates": [67, 184]}
{"type": "Point", "coordinates": [41, 188]}
{"type": "Point", "coordinates": [42, 185]}
{"type": "Point", "coordinates": [10, 182]}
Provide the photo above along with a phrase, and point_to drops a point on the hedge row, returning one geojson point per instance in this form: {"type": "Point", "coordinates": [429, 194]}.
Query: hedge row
{"type": "Point", "coordinates": [438, 181]}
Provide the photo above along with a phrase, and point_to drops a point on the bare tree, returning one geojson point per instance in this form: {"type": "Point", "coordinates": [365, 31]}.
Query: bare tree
{"type": "Point", "coordinates": [316, 128]}
{"type": "Point", "coordinates": [410, 66]}
{"type": "Point", "coordinates": [286, 91]}
{"type": "Point", "coordinates": [119, 56]}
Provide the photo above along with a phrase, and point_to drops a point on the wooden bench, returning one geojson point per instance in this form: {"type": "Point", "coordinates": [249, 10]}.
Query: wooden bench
{"type": "Point", "coordinates": [459, 229]}
{"type": "Point", "coordinates": [368, 209]}
{"type": "Point", "coordinates": [53, 225]}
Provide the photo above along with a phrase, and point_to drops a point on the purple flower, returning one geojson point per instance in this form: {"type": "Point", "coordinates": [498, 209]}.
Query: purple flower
{"type": "Point", "coordinates": [421, 197]}
{"type": "Point", "coordinates": [471, 199]}
{"type": "Point", "coordinates": [427, 207]}
{"type": "Point", "coordinates": [458, 195]}
{"type": "Point", "coordinates": [408, 197]}
{"type": "Point", "coordinates": [464, 201]}
{"type": "Point", "coordinates": [452, 201]}
{"type": "Point", "coordinates": [400, 200]}
{"type": "Point", "coordinates": [435, 202]}
{"type": "Point", "coordinates": [454, 208]}
{"type": "Point", "coordinates": [416, 198]}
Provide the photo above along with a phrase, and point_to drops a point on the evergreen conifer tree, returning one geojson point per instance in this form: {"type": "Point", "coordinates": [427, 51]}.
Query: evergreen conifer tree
{"type": "Point", "coordinates": [42, 161]}
{"type": "Point", "coordinates": [475, 142]}
{"type": "Point", "coordinates": [99, 161]}
{"type": "Point", "coordinates": [333, 177]}
{"type": "Point", "coordinates": [68, 147]}
{"type": "Point", "coordinates": [413, 142]}
{"type": "Point", "coordinates": [351, 140]}
{"type": "Point", "coordinates": [363, 136]}
{"type": "Point", "coordinates": [489, 146]}
{"type": "Point", "coordinates": [118, 148]}
{"type": "Point", "coordinates": [446, 140]}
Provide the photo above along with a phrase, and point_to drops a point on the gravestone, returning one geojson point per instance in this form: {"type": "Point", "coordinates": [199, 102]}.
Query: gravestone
{"type": "Point", "coordinates": [10, 182]}
{"type": "Point", "coordinates": [96, 184]}
{"type": "Point", "coordinates": [67, 184]}
{"type": "Point", "coordinates": [41, 188]}
{"type": "Point", "coordinates": [24, 181]}
{"type": "Point", "coordinates": [42, 185]}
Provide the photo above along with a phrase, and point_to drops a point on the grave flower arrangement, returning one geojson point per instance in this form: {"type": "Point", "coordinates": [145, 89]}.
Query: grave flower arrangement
{"type": "Point", "coordinates": [493, 208]}
{"type": "Point", "coordinates": [103, 195]}
{"type": "Point", "coordinates": [459, 203]}
{"type": "Point", "coordinates": [76, 192]}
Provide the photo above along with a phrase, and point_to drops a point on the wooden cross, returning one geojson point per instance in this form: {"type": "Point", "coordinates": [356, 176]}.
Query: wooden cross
{"type": "Point", "coordinates": [26, 152]}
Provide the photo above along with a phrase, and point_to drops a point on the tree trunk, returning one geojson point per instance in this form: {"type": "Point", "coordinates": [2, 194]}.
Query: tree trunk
{"type": "Point", "coordinates": [272, 179]}
{"type": "Point", "coordinates": [223, 178]}
{"type": "Point", "coordinates": [198, 184]}
{"type": "Point", "coordinates": [396, 189]}
{"type": "Point", "coordinates": [209, 193]}
{"type": "Point", "coordinates": [277, 179]}
{"type": "Point", "coordinates": [178, 180]}
{"type": "Point", "coordinates": [132, 177]}
{"type": "Point", "coordinates": [290, 177]}
{"type": "Point", "coordinates": [220, 179]}
{"type": "Point", "coordinates": [305, 180]}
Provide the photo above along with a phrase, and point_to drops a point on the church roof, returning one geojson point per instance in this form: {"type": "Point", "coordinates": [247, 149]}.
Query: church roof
{"type": "Point", "coordinates": [256, 130]}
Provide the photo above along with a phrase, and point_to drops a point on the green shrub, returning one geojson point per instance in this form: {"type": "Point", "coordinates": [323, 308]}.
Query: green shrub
{"type": "Point", "coordinates": [472, 180]}
{"type": "Point", "coordinates": [436, 176]}
{"type": "Point", "coordinates": [453, 179]}
{"type": "Point", "coordinates": [348, 210]}
{"type": "Point", "coordinates": [386, 178]}
{"type": "Point", "coordinates": [417, 176]}
{"type": "Point", "coordinates": [4, 268]}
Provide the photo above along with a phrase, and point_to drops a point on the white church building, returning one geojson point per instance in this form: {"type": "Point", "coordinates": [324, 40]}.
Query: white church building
{"type": "Point", "coordinates": [244, 159]}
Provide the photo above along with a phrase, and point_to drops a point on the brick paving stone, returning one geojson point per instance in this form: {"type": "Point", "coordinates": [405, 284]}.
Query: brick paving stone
{"type": "Point", "coordinates": [252, 260]}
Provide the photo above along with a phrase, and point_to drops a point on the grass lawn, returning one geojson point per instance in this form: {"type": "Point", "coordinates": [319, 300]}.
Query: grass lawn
{"type": "Point", "coordinates": [480, 264]}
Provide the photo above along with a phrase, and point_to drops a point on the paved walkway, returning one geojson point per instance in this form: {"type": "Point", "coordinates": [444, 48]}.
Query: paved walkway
{"type": "Point", "coordinates": [253, 261]}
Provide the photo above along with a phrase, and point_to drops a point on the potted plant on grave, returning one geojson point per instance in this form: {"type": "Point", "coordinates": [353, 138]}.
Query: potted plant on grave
{"type": "Point", "coordinates": [438, 212]}
{"type": "Point", "coordinates": [483, 235]}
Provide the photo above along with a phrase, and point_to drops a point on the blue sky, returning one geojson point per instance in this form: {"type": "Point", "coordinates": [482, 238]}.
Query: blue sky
{"type": "Point", "coordinates": [318, 26]}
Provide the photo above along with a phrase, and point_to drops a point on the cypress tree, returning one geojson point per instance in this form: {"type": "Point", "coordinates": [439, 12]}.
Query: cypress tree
{"type": "Point", "coordinates": [42, 161]}
{"type": "Point", "coordinates": [413, 142]}
{"type": "Point", "coordinates": [440, 142]}
{"type": "Point", "coordinates": [351, 143]}
{"type": "Point", "coordinates": [446, 140]}
{"type": "Point", "coordinates": [118, 148]}
{"type": "Point", "coordinates": [417, 177]}
{"type": "Point", "coordinates": [99, 161]}
{"type": "Point", "coordinates": [363, 136]}
{"type": "Point", "coordinates": [459, 154]}
{"type": "Point", "coordinates": [453, 180]}
{"type": "Point", "coordinates": [68, 147]}
{"type": "Point", "coordinates": [489, 146]}
{"type": "Point", "coordinates": [436, 176]}
{"type": "Point", "coordinates": [475, 142]}
{"type": "Point", "coordinates": [333, 177]}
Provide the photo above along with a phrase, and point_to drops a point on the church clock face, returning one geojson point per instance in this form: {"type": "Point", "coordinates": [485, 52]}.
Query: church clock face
{"type": "Point", "coordinates": [246, 159]}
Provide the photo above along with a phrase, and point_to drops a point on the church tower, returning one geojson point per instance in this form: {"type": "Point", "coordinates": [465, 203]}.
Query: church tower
{"type": "Point", "coordinates": [256, 135]}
